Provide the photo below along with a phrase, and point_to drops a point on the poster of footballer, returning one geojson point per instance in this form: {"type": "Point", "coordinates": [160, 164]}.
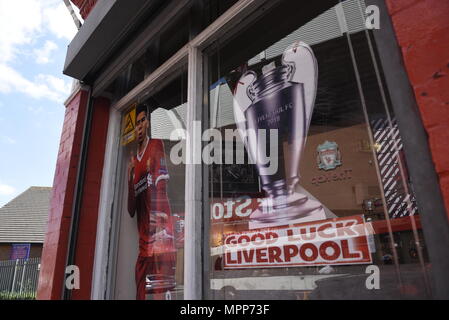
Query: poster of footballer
{"type": "Point", "coordinates": [148, 203]}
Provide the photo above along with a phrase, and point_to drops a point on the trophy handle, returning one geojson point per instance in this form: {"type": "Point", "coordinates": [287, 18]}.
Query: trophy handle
{"type": "Point", "coordinates": [301, 61]}
{"type": "Point", "coordinates": [243, 98]}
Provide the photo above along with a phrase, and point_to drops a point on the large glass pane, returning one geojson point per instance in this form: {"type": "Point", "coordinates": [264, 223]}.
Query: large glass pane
{"type": "Point", "coordinates": [320, 204]}
{"type": "Point", "coordinates": [148, 233]}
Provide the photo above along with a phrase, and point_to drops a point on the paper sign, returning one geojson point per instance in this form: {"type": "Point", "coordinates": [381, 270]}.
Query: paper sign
{"type": "Point", "coordinates": [20, 251]}
{"type": "Point", "coordinates": [129, 126]}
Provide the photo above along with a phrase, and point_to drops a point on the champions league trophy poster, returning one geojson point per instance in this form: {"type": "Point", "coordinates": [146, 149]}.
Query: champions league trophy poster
{"type": "Point", "coordinates": [281, 98]}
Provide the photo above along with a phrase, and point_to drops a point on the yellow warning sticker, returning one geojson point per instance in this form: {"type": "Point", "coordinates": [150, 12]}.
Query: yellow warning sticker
{"type": "Point", "coordinates": [129, 126]}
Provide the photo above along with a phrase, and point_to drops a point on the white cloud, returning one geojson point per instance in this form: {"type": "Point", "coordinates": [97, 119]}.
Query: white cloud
{"type": "Point", "coordinates": [43, 86]}
{"type": "Point", "coordinates": [6, 190]}
{"type": "Point", "coordinates": [43, 54]}
{"type": "Point", "coordinates": [19, 20]}
{"type": "Point", "coordinates": [58, 84]}
{"type": "Point", "coordinates": [7, 140]}
{"type": "Point", "coordinates": [35, 109]}
{"type": "Point", "coordinates": [21, 24]}
{"type": "Point", "coordinates": [59, 21]}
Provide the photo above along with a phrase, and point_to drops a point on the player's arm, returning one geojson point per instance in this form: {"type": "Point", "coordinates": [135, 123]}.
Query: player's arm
{"type": "Point", "coordinates": [131, 195]}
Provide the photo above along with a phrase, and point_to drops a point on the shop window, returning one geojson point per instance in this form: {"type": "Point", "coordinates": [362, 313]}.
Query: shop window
{"type": "Point", "coordinates": [147, 238]}
{"type": "Point", "coordinates": [336, 218]}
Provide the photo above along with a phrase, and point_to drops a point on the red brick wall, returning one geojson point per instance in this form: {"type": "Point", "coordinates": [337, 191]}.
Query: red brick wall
{"type": "Point", "coordinates": [54, 253]}
{"type": "Point", "coordinates": [85, 6]}
{"type": "Point", "coordinates": [85, 249]}
{"type": "Point", "coordinates": [422, 30]}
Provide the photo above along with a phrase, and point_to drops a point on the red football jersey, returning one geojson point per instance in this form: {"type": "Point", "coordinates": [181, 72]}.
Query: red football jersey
{"type": "Point", "coordinates": [147, 196]}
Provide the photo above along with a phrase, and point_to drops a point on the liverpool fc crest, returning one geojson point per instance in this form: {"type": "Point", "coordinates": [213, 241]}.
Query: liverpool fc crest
{"type": "Point", "coordinates": [328, 156]}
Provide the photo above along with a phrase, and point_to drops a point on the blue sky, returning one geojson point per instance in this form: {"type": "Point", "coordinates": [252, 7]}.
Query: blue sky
{"type": "Point", "coordinates": [33, 42]}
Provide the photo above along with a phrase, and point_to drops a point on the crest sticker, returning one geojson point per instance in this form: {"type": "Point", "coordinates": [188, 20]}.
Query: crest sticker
{"type": "Point", "coordinates": [329, 156]}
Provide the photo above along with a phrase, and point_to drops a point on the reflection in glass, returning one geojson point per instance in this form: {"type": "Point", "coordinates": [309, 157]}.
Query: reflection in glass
{"type": "Point", "coordinates": [351, 161]}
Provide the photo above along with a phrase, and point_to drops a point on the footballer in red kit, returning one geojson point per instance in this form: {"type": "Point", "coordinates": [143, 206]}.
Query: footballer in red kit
{"type": "Point", "coordinates": [147, 197]}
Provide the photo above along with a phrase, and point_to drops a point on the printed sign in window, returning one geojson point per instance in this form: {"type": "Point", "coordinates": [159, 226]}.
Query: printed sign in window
{"type": "Point", "coordinates": [333, 241]}
{"type": "Point", "coordinates": [20, 251]}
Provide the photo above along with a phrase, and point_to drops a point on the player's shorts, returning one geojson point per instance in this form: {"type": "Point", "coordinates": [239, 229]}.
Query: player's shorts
{"type": "Point", "coordinates": [155, 274]}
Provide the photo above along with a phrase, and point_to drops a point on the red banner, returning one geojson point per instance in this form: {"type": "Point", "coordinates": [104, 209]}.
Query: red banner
{"type": "Point", "coordinates": [327, 242]}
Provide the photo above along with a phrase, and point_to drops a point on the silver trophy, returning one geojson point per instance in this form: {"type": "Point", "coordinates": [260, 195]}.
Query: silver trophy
{"type": "Point", "coordinates": [282, 98]}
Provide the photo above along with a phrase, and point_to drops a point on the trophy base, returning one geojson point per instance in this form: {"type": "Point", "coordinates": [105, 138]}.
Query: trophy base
{"type": "Point", "coordinates": [301, 211]}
